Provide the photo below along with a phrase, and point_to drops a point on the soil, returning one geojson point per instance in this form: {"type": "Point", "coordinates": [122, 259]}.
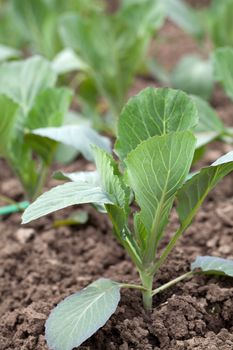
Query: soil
{"type": "Point", "coordinates": [40, 265]}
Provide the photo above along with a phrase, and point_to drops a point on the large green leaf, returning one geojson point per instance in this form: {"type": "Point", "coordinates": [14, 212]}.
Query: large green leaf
{"type": "Point", "coordinates": [223, 68]}
{"type": "Point", "coordinates": [80, 315]}
{"type": "Point", "coordinates": [62, 196]}
{"type": "Point", "coordinates": [22, 81]}
{"type": "Point", "coordinates": [194, 75]}
{"type": "Point", "coordinates": [213, 265]}
{"type": "Point", "coordinates": [154, 112]}
{"type": "Point", "coordinates": [192, 194]}
{"type": "Point", "coordinates": [8, 116]}
{"type": "Point", "coordinates": [156, 169]}
{"type": "Point", "coordinates": [80, 137]}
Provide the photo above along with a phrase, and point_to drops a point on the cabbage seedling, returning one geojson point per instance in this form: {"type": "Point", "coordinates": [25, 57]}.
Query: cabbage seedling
{"type": "Point", "coordinates": [155, 147]}
{"type": "Point", "coordinates": [32, 112]}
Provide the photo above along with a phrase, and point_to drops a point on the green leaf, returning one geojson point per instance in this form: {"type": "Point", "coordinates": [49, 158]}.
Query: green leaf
{"type": "Point", "coordinates": [22, 81]}
{"type": "Point", "coordinates": [156, 169]}
{"type": "Point", "coordinates": [8, 115]}
{"type": "Point", "coordinates": [154, 112]}
{"type": "Point", "coordinates": [68, 61]}
{"type": "Point", "coordinates": [208, 118]}
{"type": "Point", "coordinates": [223, 68]}
{"type": "Point", "coordinates": [80, 137]}
{"type": "Point", "coordinates": [62, 196]}
{"type": "Point", "coordinates": [7, 52]}
{"type": "Point", "coordinates": [184, 16]}
{"type": "Point", "coordinates": [192, 194]}
{"type": "Point", "coordinates": [219, 20]}
{"type": "Point", "coordinates": [49, 108]}
{"type": "Point", "coordinates": [193, 75]}
{"type": "Point", "coordinates": [80, 315]}
{"type": "Point", "coordinates": [110, 178]}
{"type": "Point", "coordinates": [213, 265]}
{"type": "Point", "coordinates": [91, 177]}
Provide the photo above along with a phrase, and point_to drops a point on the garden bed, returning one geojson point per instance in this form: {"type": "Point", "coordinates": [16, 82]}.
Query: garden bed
{"type": "Point", "coordinates": [40, 265]}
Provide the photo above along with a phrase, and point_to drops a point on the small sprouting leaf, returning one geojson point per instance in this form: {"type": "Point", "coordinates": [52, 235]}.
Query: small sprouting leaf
{"type": "Point", "coordinates": [80, 315]}
{"type": "Point", "coordinates": [62, 196]}
{"type": "Point", "coordinates": [80, 137]}
{"type": "Point", "coordinates": [67, 61]}
{"type": "Point", "coordinates": [192, 194]}
{"type": "Point", "coordinates": [22, 81]}
{"type": "Point", "coordinates": [194, 75]}
{"type": "Point", "coordinates": [157, 168]}
{"type": "Point", "coordinates": [154, 112]}
{"type": "Point", "coordinates": [223, 68]}
{"type": "Point", "coordinates": [213, 265]}
{"type": "Point", "coordinates": [110, 178]}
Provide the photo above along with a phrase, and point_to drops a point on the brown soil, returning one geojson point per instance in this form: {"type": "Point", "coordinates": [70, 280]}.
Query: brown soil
{"type": "Point", "coordinates": [40, 265]}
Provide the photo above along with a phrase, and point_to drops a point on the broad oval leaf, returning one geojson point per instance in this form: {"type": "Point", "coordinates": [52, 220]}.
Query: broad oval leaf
{"type": "Point", "coordinates": [23, 80]}
{"type": "Point", "coordinates": [223, 68]}
{"type": "Point", "coordinates": [80, 137]}
{"type": "Point", "coordinates": [194, 191]}
{"type": "Point", "coordinates": [154, 112]}
{"type": "Point", "coordinates": [213, 265]}
{"type": "Point", "coordinates": [80, 315]}
{"type": "Point", "coordinates": [156, 169]}
{"type": "Point", "coordinates": [62, 196]}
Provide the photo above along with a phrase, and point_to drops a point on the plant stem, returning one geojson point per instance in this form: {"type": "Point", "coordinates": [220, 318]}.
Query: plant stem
{"type": "Point", "coordinates": [167, 250]}
{"type": "Point", "coordinates": [171, 283]}
{"type": "Point", "coordinates": [133, 286]}
{"type": "Point", "coordinates": [147, 281]}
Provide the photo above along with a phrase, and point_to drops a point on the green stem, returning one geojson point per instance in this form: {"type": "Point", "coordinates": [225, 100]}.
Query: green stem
{"type": "Point", "coordinates": [147, 281]}
{"type": "Point", "coordinates": [167, 250]}
{"type": "Point", "coordinates": [171, 283]}
{"type": "Point", "coordinates": [133, 286]}
{"type": "Point", "coordinates": [14, 208]}
{"type": "Point", "coordinates": [41, 180]}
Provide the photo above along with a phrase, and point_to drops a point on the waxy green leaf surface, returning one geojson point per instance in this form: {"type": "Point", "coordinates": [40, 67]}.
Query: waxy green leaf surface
{"type": "Point", "coordinates": [80, 315]}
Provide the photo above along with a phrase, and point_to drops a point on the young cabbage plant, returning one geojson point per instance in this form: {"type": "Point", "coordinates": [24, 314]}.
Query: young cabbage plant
{"type": "Point", "coordinates": [113, 46]}
{"type": "Point", "coordinates": [30, 108]}
{"type": "Point", "coordinates": [36, 23]}
{"type": "Point", "coordinates": [155, 147]}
